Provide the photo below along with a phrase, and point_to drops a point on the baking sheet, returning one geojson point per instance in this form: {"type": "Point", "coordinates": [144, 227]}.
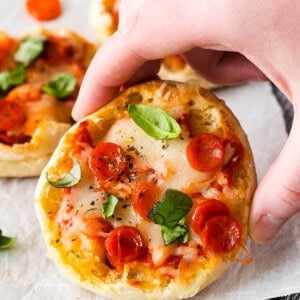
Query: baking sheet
{"type": "Point", "coordinates": [27, 273]}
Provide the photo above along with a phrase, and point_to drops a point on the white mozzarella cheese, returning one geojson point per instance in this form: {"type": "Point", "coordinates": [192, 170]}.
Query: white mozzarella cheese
{"type": "Point", "coordinates": [167, 158]}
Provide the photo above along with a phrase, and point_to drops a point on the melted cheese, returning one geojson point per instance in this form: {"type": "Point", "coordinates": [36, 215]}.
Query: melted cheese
{"type": "Point", "coordinates": [167, 158]}
{"type": "Point", "coordinates": [46, 108]}
{"type": "Point", "coordinates": [172, 170]}
{"type": "Point", "coordinates": [39, 106]}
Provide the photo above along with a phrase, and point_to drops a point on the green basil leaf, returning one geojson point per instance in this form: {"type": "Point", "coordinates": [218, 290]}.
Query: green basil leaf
{"type": "Point", "coordinates": [6, 242]}
{"type": "Point", "coordinates": [108, 208]}
{"type": "Point", "coordinates": [171, 209]}
{"type": "Point", "coordinates": [154, 121]}
{"type": "Point", "coordinates": [5, 81]}
{"type": "Point", "coordinates": [61, 86]}
{"type": "Point", "coordinates": [70, 179]}
{"type": "Point", "coordinates": [29, 49]}
{"type": "Point", "coordinates": [180, 232]}
{"type": "Point", "coordinates": [15, 77]}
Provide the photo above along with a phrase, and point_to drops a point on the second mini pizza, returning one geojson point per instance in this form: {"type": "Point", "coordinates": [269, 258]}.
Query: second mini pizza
{"type": "Point", "coordinates": [40, 75]}
{"type": "Point", "coordinates": [148, 198]}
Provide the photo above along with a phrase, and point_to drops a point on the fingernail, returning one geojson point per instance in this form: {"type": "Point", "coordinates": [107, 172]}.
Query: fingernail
{"type": "Point", "coordinates": [76, 114]}
{"type": "Point", "coordinates": [266, 227]}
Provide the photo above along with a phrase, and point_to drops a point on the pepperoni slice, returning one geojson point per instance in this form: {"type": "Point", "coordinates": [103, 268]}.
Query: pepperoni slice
{"type": "Point", "coordinates": [59, 49]}
{"type": "Point", "coordinates": [107, 161]}
{"type": "Point", "coordinates": [205, 152]}
{"type": "Point", "coordinates": [143, 198]}
{"type": "Point", "coordinates": [7, 45]}
{"type": "Point", "coordinates": [124, 244]}
{"type": "Point", "coordinates": [44, 10]}
{"type": "Point", "coordinates": [12, 115]}
{"type": "Point", "coordinates": [25, 93]}
{"type": "Point", "coordinates": [221, 234]}
{"type": "Point", "coordinates": [205, 210]}
{"type": "Point", "coordinates": [13, 139]}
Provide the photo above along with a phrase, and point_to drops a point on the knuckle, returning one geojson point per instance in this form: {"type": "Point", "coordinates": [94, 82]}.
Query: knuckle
{"type": "Point", "coordinates": [129, 16]}
{"type": "Point", "coordinates": [290, 197]}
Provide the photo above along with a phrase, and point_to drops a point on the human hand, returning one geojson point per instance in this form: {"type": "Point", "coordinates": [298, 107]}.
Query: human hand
{"type": "Point", "coordinates": [227, 42]}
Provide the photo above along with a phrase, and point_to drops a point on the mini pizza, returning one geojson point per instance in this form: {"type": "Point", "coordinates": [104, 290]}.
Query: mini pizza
{"type": "Point", "coordinates": [148, 198]}
{"type": "Point", "coordinates": [104, 22]}
{"type": "Point", "coordinates": [40, 76]}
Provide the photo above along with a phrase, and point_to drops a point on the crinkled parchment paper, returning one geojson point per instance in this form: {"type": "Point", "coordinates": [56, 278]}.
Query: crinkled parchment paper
{"type": "Point", "coordinates": [27, 273]}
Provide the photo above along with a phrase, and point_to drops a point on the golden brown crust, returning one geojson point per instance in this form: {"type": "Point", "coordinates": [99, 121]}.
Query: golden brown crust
{"type": "Point", "coordinates": [29, 158]}
{"type": "Point", "coordinates": [175, 68]}
{"type": "Point", "coordinates": [206, 113]}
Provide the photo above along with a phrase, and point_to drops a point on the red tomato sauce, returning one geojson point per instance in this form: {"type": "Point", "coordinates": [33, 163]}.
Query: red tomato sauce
{"type": "Point", "coordinates": [44, 10]}
{"type": "Point", "coordinates": [12, 115]}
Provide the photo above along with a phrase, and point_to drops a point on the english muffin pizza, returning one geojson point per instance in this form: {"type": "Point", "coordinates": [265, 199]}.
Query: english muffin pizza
{"type": "Point", "coordinates": [148, 198]}
{"type": "Point", "coordinates": [104, 17]}
{"type": "Point", "coordinates": [40, 75]}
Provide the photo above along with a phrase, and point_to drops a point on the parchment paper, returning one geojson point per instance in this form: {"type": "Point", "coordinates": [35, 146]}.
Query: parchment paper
{"type": "Point", "coordinates": [27, 273]}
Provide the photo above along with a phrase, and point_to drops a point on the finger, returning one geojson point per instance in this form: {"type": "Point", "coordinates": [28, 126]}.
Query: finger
{"type": "Point", "coordinates": [138, 40]}
{"type": "Point", "coordinates": [148, 71]}
{"type": "Point", "coordinates": [278, 195]}
{"type": "Point", "coordinates": [223, 68]}
{"type": "Point", "coordinates": [105, 75]}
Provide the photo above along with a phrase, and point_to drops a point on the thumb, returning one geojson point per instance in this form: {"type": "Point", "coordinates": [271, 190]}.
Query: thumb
{"type": "Point", "coordinates": [278, 195]}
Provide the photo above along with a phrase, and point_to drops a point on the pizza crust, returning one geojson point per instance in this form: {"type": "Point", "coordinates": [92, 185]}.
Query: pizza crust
{"type": "Point", "coordinates": [28, 159]}
{"type": "Point", "coordinates": [24, 160]}
{"type": "Point", "coordinates": [209, 114]}
{"type": "Point", "coordinates": [185, 74]}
